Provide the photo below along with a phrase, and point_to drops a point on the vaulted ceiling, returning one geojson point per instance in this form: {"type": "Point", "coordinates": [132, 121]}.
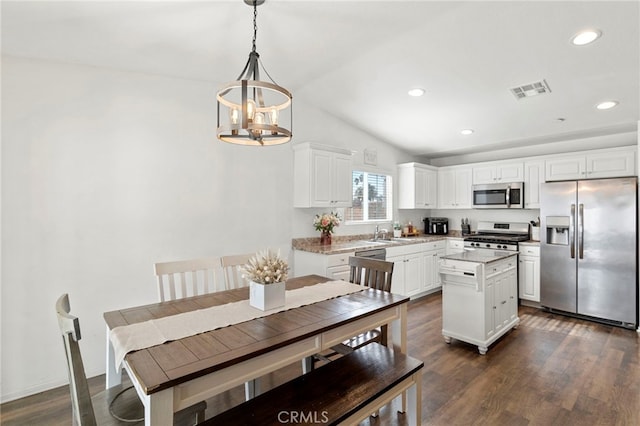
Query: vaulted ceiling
{"type": "Point", "coordinates": [357, 59]}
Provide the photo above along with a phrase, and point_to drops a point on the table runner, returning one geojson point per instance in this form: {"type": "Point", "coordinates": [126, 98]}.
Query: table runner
{"type": "Point", "coordinates": [154, 332]}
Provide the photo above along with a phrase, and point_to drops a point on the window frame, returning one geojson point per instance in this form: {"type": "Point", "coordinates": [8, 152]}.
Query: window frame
{"type": "Point", "coordinates": [389, 195]}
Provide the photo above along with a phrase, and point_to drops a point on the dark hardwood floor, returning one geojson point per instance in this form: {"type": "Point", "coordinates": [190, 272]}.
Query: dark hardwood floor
{"type": "Point", "coordinates": [551, 370]}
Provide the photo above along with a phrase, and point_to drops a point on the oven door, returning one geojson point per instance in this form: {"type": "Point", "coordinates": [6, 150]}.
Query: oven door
{"type": "Point", "coordinates": [499, 196]}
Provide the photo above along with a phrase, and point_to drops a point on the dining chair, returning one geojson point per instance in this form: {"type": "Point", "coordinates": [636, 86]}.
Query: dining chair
{"type": "Point", "coordinates": [373, 273]}
{"type": "Point", "coordinates": [117, 405]}
{"type": "Point", "coordinates": [200, 276]}
{"type": "Point", "coordinates": [184, 278]}
{"type": "Point", "coordinates": [232, 267]}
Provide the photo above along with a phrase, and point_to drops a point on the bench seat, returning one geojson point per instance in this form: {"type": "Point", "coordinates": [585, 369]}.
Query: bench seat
{"type": "Point", "coordinates": [345, 391]}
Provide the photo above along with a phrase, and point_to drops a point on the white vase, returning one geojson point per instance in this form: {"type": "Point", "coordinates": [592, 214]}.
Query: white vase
{"type": "Point", "coordinates": [266, 296]}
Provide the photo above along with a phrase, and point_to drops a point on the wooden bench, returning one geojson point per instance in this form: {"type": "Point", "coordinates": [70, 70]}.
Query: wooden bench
{"type": "Point", "coordinates": [345, 391]}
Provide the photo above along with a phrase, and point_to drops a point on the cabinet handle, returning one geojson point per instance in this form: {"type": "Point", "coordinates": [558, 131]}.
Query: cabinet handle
{"type": "Point", "coordinates": [503, 302]}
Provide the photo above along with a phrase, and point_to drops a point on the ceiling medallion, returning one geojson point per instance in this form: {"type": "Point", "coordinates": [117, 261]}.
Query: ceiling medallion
{"type": "Point", "coordinates": [251, 111]}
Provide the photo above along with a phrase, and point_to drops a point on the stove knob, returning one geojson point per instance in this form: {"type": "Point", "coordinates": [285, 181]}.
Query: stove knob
{"type": "Point", "coordinates": [488, 245]}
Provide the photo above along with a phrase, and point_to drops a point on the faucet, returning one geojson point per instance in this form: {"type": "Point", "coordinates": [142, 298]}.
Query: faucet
{"type": "Point", "coordinates": [375, 234]}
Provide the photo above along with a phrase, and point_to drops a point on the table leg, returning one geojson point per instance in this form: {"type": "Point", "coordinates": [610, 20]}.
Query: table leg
{"type": "Point", "coordinates": [414, 412]}
{"type": "Point", "coordinates": [399, 341]}
{"type": "Point", "coordinates": [252, 389]}
{"type": "Point", "coordinates": [114, 375]}
{"type": "Point", "coordinates": [158, 408]}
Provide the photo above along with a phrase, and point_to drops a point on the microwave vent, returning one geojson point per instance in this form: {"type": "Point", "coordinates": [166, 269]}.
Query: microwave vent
{"type": "Point", "coordinates": [531, 89]}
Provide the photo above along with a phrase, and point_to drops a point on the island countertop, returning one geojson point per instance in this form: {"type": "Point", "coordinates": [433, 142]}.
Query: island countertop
{"type": "Point", "coordinates": [481, 256]}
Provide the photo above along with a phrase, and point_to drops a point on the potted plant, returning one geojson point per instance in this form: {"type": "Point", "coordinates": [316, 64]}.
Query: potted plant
{"type": "Point", "coordinates": [267, 273]}
{"type": "Point", "coordinates": [325, 223]}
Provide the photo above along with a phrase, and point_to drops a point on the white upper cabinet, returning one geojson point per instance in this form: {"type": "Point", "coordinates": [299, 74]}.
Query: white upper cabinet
{"type": "Point", "coordinates": [417, 186]}
{"type": "Point", "coordinates": [454, 188]}
{"type": "Point", "coordinates": [618, 162]}
{"type": "Point", "coordinates": [533, 178]}
{"type": "Point", "coordinates": [322, 176]}
{"type": "Point", "coordinates": [498, 172]}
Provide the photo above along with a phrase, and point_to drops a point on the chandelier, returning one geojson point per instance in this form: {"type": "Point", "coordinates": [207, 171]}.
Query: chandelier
{"type": "Point", "coordinates": [251, 111]}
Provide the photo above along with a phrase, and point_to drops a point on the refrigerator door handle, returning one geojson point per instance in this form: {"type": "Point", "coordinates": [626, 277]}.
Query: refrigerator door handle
{"type": "Point", "coordinates": [572, 233]}
{"type": "Point", "coordinates": [581, 231]}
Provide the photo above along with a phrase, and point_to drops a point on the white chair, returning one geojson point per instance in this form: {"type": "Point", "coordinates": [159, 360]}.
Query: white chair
{"type": "Point", "coordinates": [185, 278]}
{"type": "Point", "coordinates": [114, 406]}
{"type": "Point", "coordinates": [231, 266]}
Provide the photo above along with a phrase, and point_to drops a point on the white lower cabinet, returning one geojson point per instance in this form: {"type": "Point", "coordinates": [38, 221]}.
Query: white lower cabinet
{"type": "Point", "coordinates": [415, 270]}
{"type": "Point", "coordinates": [529, 273]}
{"type": "Point", "coordinates": [334, 266]}
{"type": "Point", "coordinates": [455, 245]}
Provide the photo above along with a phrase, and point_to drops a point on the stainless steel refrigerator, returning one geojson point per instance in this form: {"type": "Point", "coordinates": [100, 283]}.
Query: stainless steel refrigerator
{"type": "Point", "coordinates": [588, 248]}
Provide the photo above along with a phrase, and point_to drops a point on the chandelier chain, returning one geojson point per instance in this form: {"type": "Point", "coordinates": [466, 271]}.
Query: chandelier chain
{"type": "Point", "coordinates": [255, 23]}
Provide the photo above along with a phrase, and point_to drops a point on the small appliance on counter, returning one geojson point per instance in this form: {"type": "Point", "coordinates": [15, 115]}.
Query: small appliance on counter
{"type": "Point", "coordinates": [436, 225]}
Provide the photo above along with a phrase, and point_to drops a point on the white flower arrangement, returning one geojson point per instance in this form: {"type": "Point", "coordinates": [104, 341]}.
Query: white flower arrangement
{"type": "Point", "coordinates": [266, 267]}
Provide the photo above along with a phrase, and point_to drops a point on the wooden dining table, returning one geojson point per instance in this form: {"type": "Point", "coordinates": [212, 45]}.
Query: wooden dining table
{"type": "Point", "coordinates": [177, 374]}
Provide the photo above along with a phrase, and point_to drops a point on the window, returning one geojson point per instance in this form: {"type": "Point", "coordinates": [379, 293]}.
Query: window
{"type": "Point", "coordinates": [371, 204]}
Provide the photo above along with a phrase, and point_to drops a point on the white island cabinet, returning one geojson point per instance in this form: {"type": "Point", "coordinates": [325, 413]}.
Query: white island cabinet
{"type": "Point", "coordinates": [479, 296]}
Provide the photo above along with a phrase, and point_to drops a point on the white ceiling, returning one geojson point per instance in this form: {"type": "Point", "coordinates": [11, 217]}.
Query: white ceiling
{"type": "Point", "coordinates": [357, 59]}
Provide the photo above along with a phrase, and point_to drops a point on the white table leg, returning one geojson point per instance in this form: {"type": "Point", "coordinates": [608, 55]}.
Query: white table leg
{"type": "Point", "coordinates": [251, 389]}
{"type": "Point", "coordinates": [158, 408]}
{"type": "Point", "coordinates": [414, 412]}
{"type": "Point", "coordinates": [114, 375]}
{"type": "Point", "coordinates": [399, 340]}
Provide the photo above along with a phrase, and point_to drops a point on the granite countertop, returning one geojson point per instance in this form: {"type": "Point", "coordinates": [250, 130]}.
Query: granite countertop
{"type": "Point", "coordinates": [348, 243]}
{"type": "Point", "coordinates": [481, 256]}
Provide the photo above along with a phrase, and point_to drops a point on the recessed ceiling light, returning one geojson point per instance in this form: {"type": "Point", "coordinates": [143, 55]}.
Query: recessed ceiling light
{"type": "Point", "coordinates": [418, 91]}
{"type": "Point", "coordinates": [586, 37]}
{"type": "Point", "coordinates": [466, 132]}
{"type": "Point", "coordinates": [607, 104]}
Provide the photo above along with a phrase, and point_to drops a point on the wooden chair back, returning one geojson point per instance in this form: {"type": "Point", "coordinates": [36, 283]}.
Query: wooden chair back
{"type": "Point", "coordinates": [231, 265]}
{"type": "Point", "coordinates": [83, 413]}
{"type": "Point", "coordinates": [372, 273]}
{"type": "Point", "coordinates": [185, 278]}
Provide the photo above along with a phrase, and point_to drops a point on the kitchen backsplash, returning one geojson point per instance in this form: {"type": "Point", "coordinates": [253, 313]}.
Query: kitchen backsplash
{"type": "Point", "coordinates": [497, 215]}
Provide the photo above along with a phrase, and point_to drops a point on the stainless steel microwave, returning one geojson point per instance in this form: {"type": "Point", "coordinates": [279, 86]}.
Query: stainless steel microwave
{"type": "Point", "coordinates": [499, 196]}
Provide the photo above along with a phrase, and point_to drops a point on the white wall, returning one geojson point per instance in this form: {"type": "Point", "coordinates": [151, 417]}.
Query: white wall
{"type": "Point", "coordinates": [105, 173]}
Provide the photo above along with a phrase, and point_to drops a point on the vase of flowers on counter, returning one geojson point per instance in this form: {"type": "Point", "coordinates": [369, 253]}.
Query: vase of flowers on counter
{"type": "Point", "coordinates": [267, 273]}
{"type": "Point", "coordinates": [325, 223]}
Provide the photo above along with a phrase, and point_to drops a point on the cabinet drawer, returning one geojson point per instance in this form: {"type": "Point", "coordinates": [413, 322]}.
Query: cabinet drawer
{"type": "Point", "coordinates": [434, 245]}
{"type": "Point", "coordinates": [529, 251]}
{"type": "Point", "coordinates": [455, 243]}
{"type": "Point", "coordinates": [339, 259]}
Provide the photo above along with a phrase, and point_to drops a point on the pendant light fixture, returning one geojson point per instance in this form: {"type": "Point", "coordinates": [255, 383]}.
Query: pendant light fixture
{"type": "Point", "coordinates": [251, 111]}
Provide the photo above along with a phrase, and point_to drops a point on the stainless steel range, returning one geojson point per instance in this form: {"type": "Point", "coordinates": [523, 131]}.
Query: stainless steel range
{"type": "Point", "coordinates": [498, 236]}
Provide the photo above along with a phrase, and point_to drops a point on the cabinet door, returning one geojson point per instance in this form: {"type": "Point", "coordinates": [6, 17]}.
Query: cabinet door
{"type": "Point", "coordinates": [529, 272]}
{"type": "Point", "coordinates": [413, 273]}
{"type": "Point", "coordinates": [482, 175]}
{"type": "Point", "coordinates": [342, 185]}
{"type": "Point", "coordinates": [491, 309]}
{"type": "Point", "coordinates": [446, 189]}
{"type": "Point", "coordinates": [397, 282]}
{"type": "Point", "coordinates": [432, 269]}
{"type": "Point", "coordinates": [430, 189]}
{"type": "Point", "coordinates": [512, 172]}
{"type": "Point", "coordinates": [321, 179]}
{"type": "Point", "coordinates": [533, 178]}
{"type": "Point", "coordinates": [463, 189]}
{"type": "Point", "coordinates": [611, 164]}
{"type": "Point", "coordinates": [565, 168]}
{"type": "Point", "coordinates": [420, 188]}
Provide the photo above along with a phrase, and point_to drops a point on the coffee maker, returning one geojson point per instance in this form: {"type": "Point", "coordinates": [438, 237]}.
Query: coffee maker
{"type": "Point", "coordinates": [436, 225]}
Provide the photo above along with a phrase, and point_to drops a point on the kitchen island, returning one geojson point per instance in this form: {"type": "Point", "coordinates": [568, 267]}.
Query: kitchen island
{"type": "Point", "coordinates": [479, 296]}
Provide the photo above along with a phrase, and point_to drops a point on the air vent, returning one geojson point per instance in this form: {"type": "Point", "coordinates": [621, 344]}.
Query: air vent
{"type": "Point", "coordinates": [531, 89]}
